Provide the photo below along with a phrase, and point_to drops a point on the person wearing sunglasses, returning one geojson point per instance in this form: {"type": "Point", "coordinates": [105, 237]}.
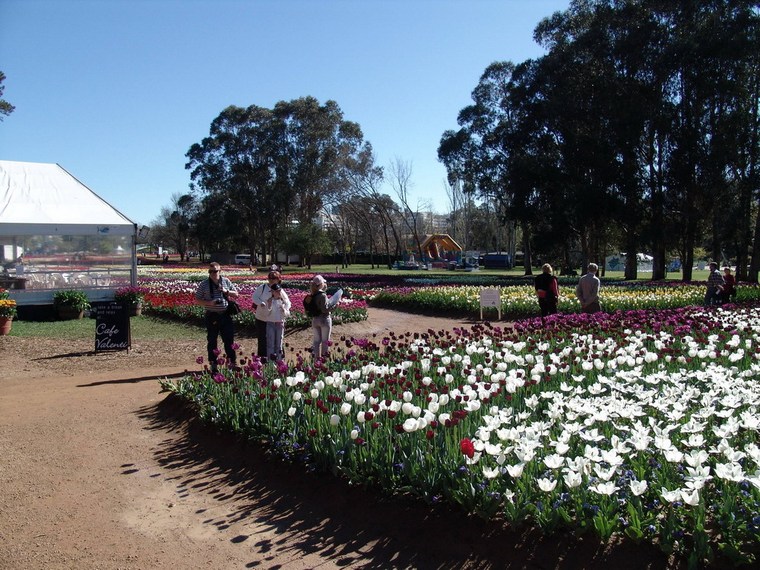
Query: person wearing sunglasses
{"type": "Point", "coordinates": [213, 294]}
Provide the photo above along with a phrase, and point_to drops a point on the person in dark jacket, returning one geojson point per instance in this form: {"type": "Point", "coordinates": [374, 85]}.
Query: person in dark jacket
{"type": "Point", "coordinates": [321, 323]}
{"type": "Point", "coordinates": [729, 286]}
{"type": "Point", "coordinates": [715, 285]}
{"type": "Point", "coordinates": [547, 290]}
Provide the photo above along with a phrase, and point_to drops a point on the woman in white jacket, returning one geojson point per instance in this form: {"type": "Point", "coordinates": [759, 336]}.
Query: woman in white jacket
{"type": "Point", "coordinates": [261, 295]}
{"type": "Point", "coordinates": [278, 306]}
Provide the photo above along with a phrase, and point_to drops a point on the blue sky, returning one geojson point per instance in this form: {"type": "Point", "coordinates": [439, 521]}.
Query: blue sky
{"type": "Point", "coordinates": [116, 91]}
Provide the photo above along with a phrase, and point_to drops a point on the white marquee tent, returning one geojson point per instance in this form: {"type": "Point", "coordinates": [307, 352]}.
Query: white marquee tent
{"type": "Point", "coordinates": [68, 235]}
{"type": "Point", "coordinates": [43, 199]}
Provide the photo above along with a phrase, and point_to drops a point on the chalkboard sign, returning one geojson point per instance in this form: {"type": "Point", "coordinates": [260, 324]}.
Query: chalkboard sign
{"type": "Point", "coordinates": [112, 330]}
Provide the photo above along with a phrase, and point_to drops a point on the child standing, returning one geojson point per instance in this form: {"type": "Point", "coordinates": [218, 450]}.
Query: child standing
{"type": "Point", "coordinates": [278, 306]}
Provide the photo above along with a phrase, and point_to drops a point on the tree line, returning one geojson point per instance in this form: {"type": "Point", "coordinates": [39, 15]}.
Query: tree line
{"type": "Point", "coordinates": [638, 130]}
{"type": "Point", "coordinates": [295, 179]}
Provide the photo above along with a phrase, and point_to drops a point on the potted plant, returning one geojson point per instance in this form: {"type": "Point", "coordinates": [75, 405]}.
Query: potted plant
{"type": "Point", "coordinates": [7, 312]}
{"type": "Point", "coordinates": [70, 304]}
{"type": "Point", "coordinates": [132, 298]}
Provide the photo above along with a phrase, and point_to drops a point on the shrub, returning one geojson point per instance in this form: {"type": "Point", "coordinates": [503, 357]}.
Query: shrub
{"type": "Point", "coordinates": [70, 298]}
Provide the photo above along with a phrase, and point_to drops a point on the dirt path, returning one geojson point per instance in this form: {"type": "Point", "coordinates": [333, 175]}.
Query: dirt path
{"type": "Point", "coordinates": [98, 469]}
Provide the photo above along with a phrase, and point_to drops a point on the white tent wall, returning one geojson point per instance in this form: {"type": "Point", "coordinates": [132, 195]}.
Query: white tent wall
{"type": "Point", "coordinates": [70, 238]}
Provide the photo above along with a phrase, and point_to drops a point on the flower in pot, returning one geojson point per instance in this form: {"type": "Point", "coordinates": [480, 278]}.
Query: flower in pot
{"type": "Point", "coordinates": [70, 304]}
{"type": "Point", "coordinates": [7, 312]}
{"type": "Point", "coordinates": [131, 297]}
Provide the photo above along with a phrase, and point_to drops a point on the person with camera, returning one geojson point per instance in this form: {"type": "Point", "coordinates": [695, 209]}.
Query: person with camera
{"type": "Point", "coordinates": [260, 298]}
{"type": "Point", "coordinates": [278, 306]}
{"type": "Point", "coordinates": [213, 294]}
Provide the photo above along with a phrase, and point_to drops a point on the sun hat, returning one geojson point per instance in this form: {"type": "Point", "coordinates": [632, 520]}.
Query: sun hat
{"type": "Point", "coordinates": [318, 281]}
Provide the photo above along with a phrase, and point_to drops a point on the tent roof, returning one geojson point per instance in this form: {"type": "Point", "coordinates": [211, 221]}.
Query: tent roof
{"type": "Point", "coordinates": [43, 199]}
{"type": "Point", "coordinates": [445, 240]}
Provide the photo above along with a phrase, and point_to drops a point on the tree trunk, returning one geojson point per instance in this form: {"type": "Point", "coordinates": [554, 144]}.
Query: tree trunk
{"type": "Point", "coordinates": [754, 266]}
{"type": "Point", "coordinates": [687, 256]}
{"type": "Point", "coordinates": [631, 256]}
{"type": "Point", "coordinates": [527, 255]}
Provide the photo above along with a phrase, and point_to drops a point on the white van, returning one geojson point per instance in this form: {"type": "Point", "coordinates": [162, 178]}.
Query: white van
{"type": "Point", "coordinates": [242, 259]}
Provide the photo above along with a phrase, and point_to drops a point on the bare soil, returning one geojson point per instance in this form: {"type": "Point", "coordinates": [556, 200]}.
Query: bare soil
{"type": "Point", "coordinates": [100, 470]}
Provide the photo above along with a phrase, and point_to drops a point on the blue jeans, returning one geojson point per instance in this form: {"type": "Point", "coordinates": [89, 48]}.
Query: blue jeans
{"type": "Point", "coordinates": [220, 324]}
{"type": "Point", "coordinates": [322, 328]}
{"type": "Point", "coordinates": [275, 332]}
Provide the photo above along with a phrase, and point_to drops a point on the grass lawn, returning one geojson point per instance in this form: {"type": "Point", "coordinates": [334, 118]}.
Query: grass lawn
{"type": "Point", "coordinates": [143, 328]}
{"type": "Point", "coordinates": [366, 269]}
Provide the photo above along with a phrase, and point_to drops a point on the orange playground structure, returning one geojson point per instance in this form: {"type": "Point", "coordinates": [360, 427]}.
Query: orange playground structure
{"type": "Point", "coordinates": [441, 249]}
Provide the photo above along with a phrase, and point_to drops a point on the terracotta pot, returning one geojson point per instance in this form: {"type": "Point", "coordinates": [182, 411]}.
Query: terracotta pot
{"type": "Point", "coordinates": [69, 313]}
{"type": "Point", "coordinates": [5, 325]}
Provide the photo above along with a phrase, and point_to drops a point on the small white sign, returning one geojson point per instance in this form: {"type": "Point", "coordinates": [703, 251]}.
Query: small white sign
{"type": "Point", "coordinates": [490, 298]}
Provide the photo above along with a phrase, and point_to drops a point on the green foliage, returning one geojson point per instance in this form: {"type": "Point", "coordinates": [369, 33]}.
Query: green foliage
{"type": "Point", "coordinates": [274, 165]}
{"type": "Point", "coordinates": [306, 240]}
{"type": "Point", "coordinates": [71, 298]}
{"type": "Point", "coordinates": [549, 141]}
{"type": "Point", "coordinates": [5, 107]}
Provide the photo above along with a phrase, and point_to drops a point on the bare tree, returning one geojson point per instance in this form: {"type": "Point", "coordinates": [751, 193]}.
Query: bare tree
{"type": "Point", "coordinates": [400, 176]}
{"type": "Point", "coordinates": [378, 211]}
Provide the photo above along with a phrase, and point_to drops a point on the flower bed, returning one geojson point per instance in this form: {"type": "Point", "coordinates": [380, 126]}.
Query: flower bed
{"type": "Point", "coordinates": [642, 424]}
{"type": "Point", "coordinates": [519, 301]}
{"type": "Point", "coordinates": [175, 298]}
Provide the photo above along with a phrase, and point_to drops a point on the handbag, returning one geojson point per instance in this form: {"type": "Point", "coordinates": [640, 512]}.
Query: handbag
{"type": "Point", "coordinates": [232, 308]}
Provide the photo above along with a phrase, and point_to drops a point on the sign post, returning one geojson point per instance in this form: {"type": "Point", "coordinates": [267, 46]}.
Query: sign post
{"type": "Point", "coordinates": [490, 298]}
{"type": "Point", "coordinates": [112, 330]}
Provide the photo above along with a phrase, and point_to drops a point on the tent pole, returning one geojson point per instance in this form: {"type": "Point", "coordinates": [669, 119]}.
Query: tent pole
{"type": "Point", "coordinates": [133, 273]}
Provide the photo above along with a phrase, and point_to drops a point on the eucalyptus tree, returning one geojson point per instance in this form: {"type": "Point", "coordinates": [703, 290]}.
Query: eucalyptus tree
{"type": "Point", "coordinates": [485, 156]}
{"type": "Point", "coordinates": [237, 165]}
{"type": "Point", "coordinates": [174, 223]}
{"type": "Point", "coordinates": [276, 166]}
{"type": "Point", "coordinates": [181, 216]}
{"type": "Point", "coordinates": [5, 107]}
{"type": "Point", "coordinates": [713, 49]}
{"type": "Point", "coordinates": [307, 240]}
{"type": "Point", "coordinates": [589, 95]}
{"type": "Point", "coordinates": [216, 226]}
{"type": "Point", "coordinates": [319, 150]}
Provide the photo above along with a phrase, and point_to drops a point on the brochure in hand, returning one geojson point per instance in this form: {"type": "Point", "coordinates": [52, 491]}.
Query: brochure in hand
{"type": "Point", "coordinates": [335, 299]}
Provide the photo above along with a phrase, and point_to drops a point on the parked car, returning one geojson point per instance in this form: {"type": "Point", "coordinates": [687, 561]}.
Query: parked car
{"type": "Point", "coordinates": [242, 259]}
